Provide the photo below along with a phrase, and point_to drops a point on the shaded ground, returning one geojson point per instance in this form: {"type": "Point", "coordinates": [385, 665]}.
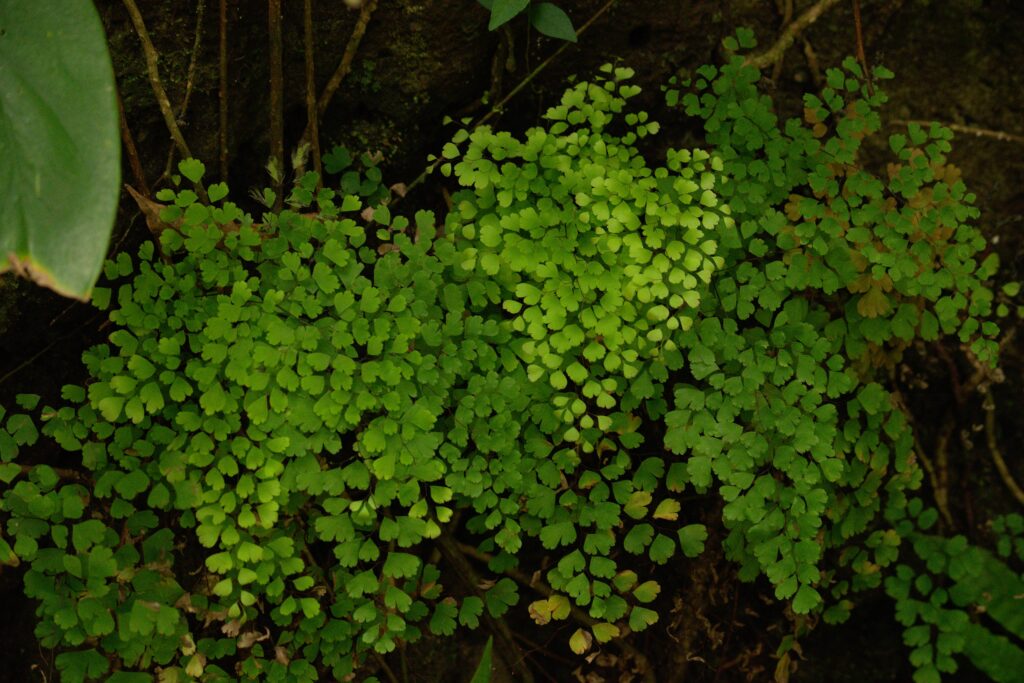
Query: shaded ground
{"type": "Point", "coordinates": [956, 61]}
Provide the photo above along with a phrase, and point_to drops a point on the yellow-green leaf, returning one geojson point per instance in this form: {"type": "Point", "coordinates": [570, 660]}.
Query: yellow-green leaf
{"type": "Point", "coordinates": [580, 641]}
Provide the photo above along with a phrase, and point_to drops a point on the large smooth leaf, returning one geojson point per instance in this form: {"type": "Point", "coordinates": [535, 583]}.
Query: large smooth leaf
{"type": "Point", "coordinates": [59, 145]}
{"type": "Point", "coordinates": [483, 669]}
{"type": "Point", "coordinates": [503, 10]}
{"type": "Point", "coordinates": [552, 21]}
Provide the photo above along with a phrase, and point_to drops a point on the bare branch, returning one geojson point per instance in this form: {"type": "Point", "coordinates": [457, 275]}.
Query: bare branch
{"type": "Point", "coordinates": [344, 67]}
{"type": "Point", "coordinates": [772, 54]}
{"type": "Point", "coordinates": [960, 128]}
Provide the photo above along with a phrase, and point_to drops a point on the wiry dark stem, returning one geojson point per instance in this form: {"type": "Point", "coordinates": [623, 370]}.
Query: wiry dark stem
{"type": "Point", "coordinates": [276, 99]}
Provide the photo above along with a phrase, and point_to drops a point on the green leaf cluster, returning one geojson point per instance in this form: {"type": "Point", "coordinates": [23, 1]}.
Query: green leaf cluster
{"type": "Point", "coordinates": [271, 391]}
{"type": "Point", "coordinates": [305, 403]}
{"type": "Point", "coordinates": [830, 274]}
{"type": "Point", "coordinates": [942, 583]}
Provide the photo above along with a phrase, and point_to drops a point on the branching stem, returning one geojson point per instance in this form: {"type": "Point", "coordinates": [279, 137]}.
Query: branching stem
{"type": "Point", "coordinates": [344, 67]}
{"type": "Point", "coordinates": [997, 454]}
{"type": "Point", "coordinates": [153, 70]}
{"type": "Point", "coordinates": [223, 90]}
{"type": "Point", "coordinates": [497, 108]}
{"type": "Point", "coordinates": [129, 147]}
{"type": "Point", "coordinates": [276, 99]}
{"type": "Point", "coordinates": [575, 612]}
{"type": "Point", "coordinates": [189, 79]}
{"type": "Point", "coordinates": [312, 124]}
{"type": "Point", "coordinates": [454, 553]}
{"type": "Point", "coordinates": [970, 130]}
{"type": "Point", "coordinates": [789, 34]}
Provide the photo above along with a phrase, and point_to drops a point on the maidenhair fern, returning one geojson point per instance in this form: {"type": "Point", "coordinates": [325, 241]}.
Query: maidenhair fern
{"type": "Point", "coordinates": [290, 412]}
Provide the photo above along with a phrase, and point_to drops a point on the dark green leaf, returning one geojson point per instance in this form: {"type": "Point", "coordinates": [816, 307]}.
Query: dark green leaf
{"type": "Point", "coordinates": [504, 10]}
{"type": "Point", "coordinates": [483, 669]}
{"type": "Point", "coordinates": [550, 20]}
{"type": "Point", "coordinates": [132, 484]}
{"type": "Point", "coordinates": [78, 666]}
{"type": "Point", "coordinates": [59, 142]}
{"type": "Point", "coordinates": [691, 539]}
